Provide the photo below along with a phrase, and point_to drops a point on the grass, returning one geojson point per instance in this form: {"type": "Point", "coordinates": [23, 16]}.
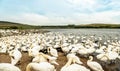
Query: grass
{"type": "Point", "coordinates": [12, 25]}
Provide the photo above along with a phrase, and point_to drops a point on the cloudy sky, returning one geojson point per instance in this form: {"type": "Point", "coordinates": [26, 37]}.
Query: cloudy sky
{"type": "Point", "coordinates": [60, 12]}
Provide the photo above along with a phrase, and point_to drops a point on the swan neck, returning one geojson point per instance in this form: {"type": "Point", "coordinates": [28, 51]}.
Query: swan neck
{"type": "Point", "coordinates": [91, 58]}
{"type": "Point", "coordinates": [69, 62]}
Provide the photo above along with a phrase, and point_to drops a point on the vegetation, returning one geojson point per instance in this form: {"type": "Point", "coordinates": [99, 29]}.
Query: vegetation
{"type": "Point", "coordinates": [11, 25]}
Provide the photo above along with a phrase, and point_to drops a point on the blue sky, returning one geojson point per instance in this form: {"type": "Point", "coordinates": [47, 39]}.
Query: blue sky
{"type": "Point", "coordinates": [60, 12]}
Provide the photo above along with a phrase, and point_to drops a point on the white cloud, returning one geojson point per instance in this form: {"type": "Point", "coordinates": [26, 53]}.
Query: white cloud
{"type": "Point", "coordinates": [75, 12]}
{"type": "Point", "coordinates": [84, 6]}
{"type": "Point", "coordinates": [27, 18]}
{"type": "Point", "coordinates": [37, 19]}
{"type": "Point", "coordinates": [98, 17]}
{"type": "Point", "coordinates": [34, 18]}
{"type": "Point", "coordinates": [76, 18]}
{"type": "Point", "coordinates": [82, 2]}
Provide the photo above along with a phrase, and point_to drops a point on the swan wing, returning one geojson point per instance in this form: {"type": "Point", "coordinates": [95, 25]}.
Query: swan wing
{"type": "Point", "coordinates": [95, 66]}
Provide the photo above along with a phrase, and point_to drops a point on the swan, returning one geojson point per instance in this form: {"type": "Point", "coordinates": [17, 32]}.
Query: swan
{"type": "Point", "coordinates": [73, 67]}
{"type": "Point", "coordinates": [95, 66]}
{"type": "Point", "coordinates": [42, 66]}
{"type": "Point", "coordinates": [112, 55]}
{"type": "Point", "coordinates": [15, 56]}
{"type": "Point", "coordinates": [41, 57]}
{"type": "Point", "coordinates": [3, 48]}
{"type": "Point", "coordinates": [33, 52]}
{"type": "Point", "coordinates": [75, 58]}
{"type": "Point", "coordinates": [90, 50]}
{"type": "Point", "coordinates": [102, 57]}
{"type": "Point", "coordinates": [8, 67]}
{"type": "Point", "coordinates": [65, 47]}
{"type": "Point", "coordinates": [74, 48]}
{"type": "Point", "coordinates": [83, 52]}
{"type": "Point", "coordinates": [53, 51]}
{"type": "Point", "coordinates": [109, 55]}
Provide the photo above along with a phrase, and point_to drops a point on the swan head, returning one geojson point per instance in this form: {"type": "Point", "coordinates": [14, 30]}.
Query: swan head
{"type": "Point", "coordinates": [90, 58]}
{"type": "Point", "coordinates": [52, 60]}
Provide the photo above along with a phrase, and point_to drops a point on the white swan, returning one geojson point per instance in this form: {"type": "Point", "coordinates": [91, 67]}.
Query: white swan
{"type": "Point", "coordinates": [82, 51]}
{"type": "Point", "coordinates": [53, 51]}
{"type": "Point", "coordinates": [94, 65]}
{"type": "Point", "coordinates": [41, 57]}
{"type": "Point", "coordinates": [102, 57]}
{"type": "Point", "coordinates": [112, 55]}
{"type": "Point", "coordinates": [8, 67]}
{"type": "Point", "coordinates": [73, 67]}
{"type": "Point", "coordinates": [42, 66]}
{"type": "Point", "coordinates": [74, 58]}
{"type": "Point", "coordinates": [33, 52]}
{"type": "Point", "coordinates": [15, 56]}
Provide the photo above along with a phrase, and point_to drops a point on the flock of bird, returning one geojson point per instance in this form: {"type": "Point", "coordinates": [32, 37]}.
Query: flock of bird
{"type": "Point", "coordinates": [44, 48]}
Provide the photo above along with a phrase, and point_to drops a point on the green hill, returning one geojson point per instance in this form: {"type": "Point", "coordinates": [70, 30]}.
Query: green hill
{"type": "Point", "coordinates": [13, 25]}
{"type": "Point", "coordinates": [97, 25]}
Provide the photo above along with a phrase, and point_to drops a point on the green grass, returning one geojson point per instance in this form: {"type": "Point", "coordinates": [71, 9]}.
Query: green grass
{"type": "Point", "coordinates": [12, 25]}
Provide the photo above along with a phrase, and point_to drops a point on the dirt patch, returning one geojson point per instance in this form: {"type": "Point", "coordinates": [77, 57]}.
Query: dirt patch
{"type": "Point", "coordinates": [4, 58]}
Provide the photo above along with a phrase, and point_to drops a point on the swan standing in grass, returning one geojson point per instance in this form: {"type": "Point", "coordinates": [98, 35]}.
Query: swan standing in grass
{"type": "Point", "coordinates": [95, 66]}
{"type": "Point", "coordinates": [8, 67]}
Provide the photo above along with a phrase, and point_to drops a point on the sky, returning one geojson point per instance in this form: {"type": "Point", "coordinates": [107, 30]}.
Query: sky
{"type": "Point", "coordinates": [60, 12]}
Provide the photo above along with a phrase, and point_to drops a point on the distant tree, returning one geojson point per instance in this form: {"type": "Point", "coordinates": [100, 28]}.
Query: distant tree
{"type": "Point", "coordinates": [13, 27]}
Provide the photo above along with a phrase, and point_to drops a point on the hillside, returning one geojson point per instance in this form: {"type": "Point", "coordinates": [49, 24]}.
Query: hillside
{"type": "Point", "coordinates": [83, 26]}
{"type": "Point", "coordinates": [12, 25]}
{"type": "Point", "coordinates": [97, 25]}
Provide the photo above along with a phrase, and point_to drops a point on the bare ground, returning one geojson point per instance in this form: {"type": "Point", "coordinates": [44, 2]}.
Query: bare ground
{"type": "Point", "coordinates": [4, 58]}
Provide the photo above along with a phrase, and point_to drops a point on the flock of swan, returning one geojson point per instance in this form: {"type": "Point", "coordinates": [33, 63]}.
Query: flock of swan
{"type": "Point", "coordinates": [44, 48]}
